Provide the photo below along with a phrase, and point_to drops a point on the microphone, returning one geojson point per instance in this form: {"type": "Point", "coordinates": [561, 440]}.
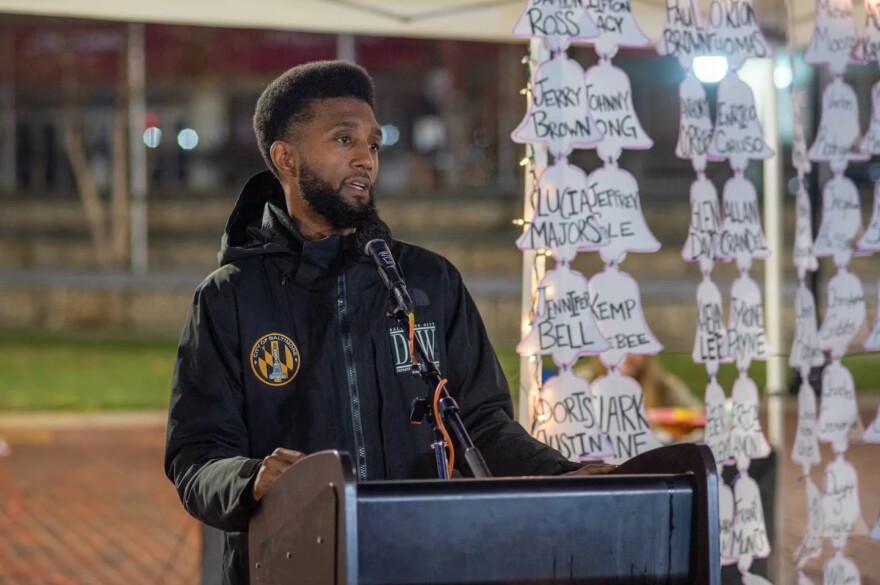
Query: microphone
{"type": "Point", "coordinates": [372, 239]}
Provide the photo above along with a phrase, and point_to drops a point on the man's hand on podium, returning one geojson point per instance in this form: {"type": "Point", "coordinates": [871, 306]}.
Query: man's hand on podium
{"type": "Point", "coordinates": [593, 468]}
{"type": "Point", "coordinates": [272, 467]}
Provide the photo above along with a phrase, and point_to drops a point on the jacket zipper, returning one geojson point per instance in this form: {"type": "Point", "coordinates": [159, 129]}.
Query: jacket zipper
{"type": "Point", "coordinates": [348, 352]}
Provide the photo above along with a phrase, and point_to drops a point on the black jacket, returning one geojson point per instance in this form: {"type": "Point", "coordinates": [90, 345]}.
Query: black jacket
{"type": "Point", "coordinates": [288, 345]}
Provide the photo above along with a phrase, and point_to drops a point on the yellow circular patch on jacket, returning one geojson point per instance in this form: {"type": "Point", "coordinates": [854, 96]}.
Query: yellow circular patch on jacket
{"type": "Point", "coordinates": [275, 359]}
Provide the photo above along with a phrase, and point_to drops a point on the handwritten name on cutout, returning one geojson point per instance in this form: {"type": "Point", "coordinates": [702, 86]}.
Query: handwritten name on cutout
{"type": "Point", "coordinates": [737, 33]}
{"type": "Point", "coordinates": [609, 98]}
{"type": "Point", "coordinates": [738, 136]}
{"type": "Point", "coordinates": [840, 501]}
{"type": "Point", "coordinates": [845, 312]}
{"type": "Point", "coordinates": [802, 251]}
{"type": "Point", "coordinates": [838, 127]}
{"type": "Point", "coordinates": [870, 143]}
{"type": "Point", "coordinates": [684, 36]}
{"type": "Point", "coordinates": [799, 158]}
{"type": "Point", "coordinates": [619, 402]}
{"type": "Point", "coordinates": [716, 434]}
{"type": "Point", "coordinates": [838, 410]}
{"type": "Point", "coordinates": [749, 530]}
{"type": "Point", "coordinates": [805, 451]}
{"type": "Point", "coordinates": [703, 243]}
{"type": "Point", "coordinates": [840, 570]}
{"type": "Point", "coordinates": [695, 125]}
{"type": "Point", "coordinates": [726, 505]}
{"type": "Point", "coordinates": [710, 342]}
{"type": "Point", "coordinates": [559, 22]}
{"type": "Point", "coordinates": [834, 35]}
{"type": "Point", "coordinates": [870, 240]}
{"type": "Point", "coordinates": [811, 543]}
{"type": "Point", "coordinates": [747, 439]}
{"type": "Point", "coordinates": [745, 326]}
{"type": "Point", "coordinates": [806, 353]}
{"type": "Point", "coordinates": [617, 27]}
{"type": "Point", "coordinates": [868, 48]}
{"type": "Point", "coordinates": [742, 235]}
{"type": "Point", "coordinates": [841, 220]}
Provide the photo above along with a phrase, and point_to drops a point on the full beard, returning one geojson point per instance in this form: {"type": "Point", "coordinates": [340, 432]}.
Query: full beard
{"type": "Point", "coordinates": [329, 202]}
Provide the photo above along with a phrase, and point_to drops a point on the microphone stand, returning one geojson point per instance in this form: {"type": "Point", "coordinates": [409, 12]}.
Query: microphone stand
{"type": "Point", "coordinates": [422, 410]}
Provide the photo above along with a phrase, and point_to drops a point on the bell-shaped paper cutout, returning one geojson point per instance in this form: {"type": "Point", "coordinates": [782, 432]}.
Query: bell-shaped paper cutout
{"type": "Point", "coordinates": [749, 529]}
{"type": "Point", "coordinates": [872, 433]}
{"type": "Point", "coordinates": [870, 240]}
{"type": "Point", "coordinates": [703, 242]}
{"type": "Point", "coordinates": [619, 402]}
{"type": "Point", "coordinates": [845, 312]}
{"type": "Point", "coordinates": [838, 410]}
{"type": "Point", "coordinates": [840, 570]}
{"type": "Point", "coordinates": [695, 125]}
{"type": "Point", "coordinates": [870, 143]}
{"type": "Point", "coordinates": [804, 258]}
{"type": "Point", "coordinates": [726, 511]}
{"type": "Point", "coordinates": [805, 350]}
{"type": "Point", "coordinates": [614, 199]}
{"type": "Point", "coordinates": [684, 36]}
{"type": "Point", "coordinates": [834, 35]}
{"type": "Point", "coordinates": [563, 418]}
{"type": "Point", "coordinates": [710, 343]}
{"type": "Point", "coordinates": [563, 222]}
{"type": "Point", "coordinates": [811, 544]}
{"type": "Point", "coordinates": [716, 434]}
{"type": "Point", "coordinates": [617, 307]}
{"type": "Point", "coordinates": [805, 451]}
{"type": "Point", "coordinates": [841, 511]}
{"type": "Point", "coordinates": [559, 22]}
{"type": "Point", "coordinates": [609, 96]}
{"type": "Point", "coordinates": [558, 114]}
{"type": "Point", "coordinates": [617, 27]}
{"type": "Point", "coordinates": [747, 439]}
{"type": "Point", "coordinates": [868, 47]}
{"type": "Point", "coordinates": [745, 326]}
{"type": "Point", "coordinates": [742, 235]}
{"type": "Point", "coordinates": [738, 136]}
{"type": "Point", "coordinates": [841, 220]}
{"type": "Point", "coordinates": [564, 326]}
{"type": "Point", "coordinates": [872, 342]}
{"type": "Point", "coordinates": [799, 158]}
{"type": "Point", "coordinates": [738, 35]}
{"type": "Point", "coordinates": [838, 127]}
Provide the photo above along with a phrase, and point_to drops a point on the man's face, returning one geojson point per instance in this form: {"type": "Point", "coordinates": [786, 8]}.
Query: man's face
{"type": "Point", "coordinates": [339, 160]}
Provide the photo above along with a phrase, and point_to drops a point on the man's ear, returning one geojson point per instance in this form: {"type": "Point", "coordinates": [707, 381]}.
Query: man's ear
{"type": "Point", "coordinates": [285, 157]}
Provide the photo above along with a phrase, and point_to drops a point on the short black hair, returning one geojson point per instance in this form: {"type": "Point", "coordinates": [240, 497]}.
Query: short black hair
{"type": "Point", "coordinates": [287, 100]}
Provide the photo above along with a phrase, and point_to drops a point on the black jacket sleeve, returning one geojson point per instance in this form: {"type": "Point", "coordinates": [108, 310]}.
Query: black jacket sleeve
{"type": "Point", "coordinates": [477, 382]}
{"type": "Point", "coordinates": [206, 452]}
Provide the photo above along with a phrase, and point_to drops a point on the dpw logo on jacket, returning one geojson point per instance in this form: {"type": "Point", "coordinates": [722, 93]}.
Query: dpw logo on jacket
{"type": "Point", "coordinates": [427, 334]}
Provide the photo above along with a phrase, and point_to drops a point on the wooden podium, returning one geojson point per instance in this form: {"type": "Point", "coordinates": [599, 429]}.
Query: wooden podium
{"type": "Point", "coordinates": [653, 521]}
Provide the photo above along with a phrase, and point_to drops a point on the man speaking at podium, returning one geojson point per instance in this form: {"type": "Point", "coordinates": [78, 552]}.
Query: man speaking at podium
{"type": "Point", "coordinates": [288, 348]}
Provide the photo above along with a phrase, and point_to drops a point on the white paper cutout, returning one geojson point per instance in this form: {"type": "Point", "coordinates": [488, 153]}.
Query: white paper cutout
{"type": "Point", "coordinates": [716, 434]}
{"type": "Point", "coordinates": [868, 48]}
{"type": "Point", "coordinates": [841, 220]}
{"type": "Point", "coordinates": [870, 240]}
{"type": "Point", "coordinates": [609, 95]}
{"type": "Point", "coordinates": [738, 136]}
{"type": "Point", "coordinates": [805, 350]}
{"type": "Point", "coordinates": [838, 127]}
{"type": "Point", "coordinates": [726, 511]}
{"type": "Point", "coordinates": [749, 531]}
{"type": "Point", "coordinates": [872, 342]}
{"type": "Point", "coordinates": [745, 328]}
{"type": "Point", "coordinates": [872, 433]}
{"type": "Point", "coordinates": [804, 258]}
{"type": "Point", "coordinates": [563, 418]}
{"type": "Point", "coordinates": [710, 342]}
{"type": "Point", "coordinates": [614, 199]}
{"type": "Point", "coordinates": [838, 410]}
{"type": "Point", "coordinates": [834, 35]}
{"type": "Point", "coordinates": [840, 570]}
{"type": "Point", "coordinates": [684, 36]}
{"type": "Point", "coordinates": [617, 307]}
{"type": "Point", "coordinates": [742, 235]}
{"type": "Point", "coordinates": [617, 27]}
{"type": "Point", "coordinates": [559, 22]}
{"type": "Point", "coordinates": [799, 158]}
{"type": "Point", "coordinates": [564, 326]}
{"type": "Point", "coordinates": [558, 115]}
{"type": "Point", "coordinates": [875, 532]}
{"type": "Point", "coordinates": [840, 502]}
{"type": "Point", "coordinates": [563, 221]}
{"type": "Point", "coordinates": [845, 312]}
{"type": "Point", "coordinates": [811, 544]}
{"type": "Point", "coordinates": [747, 439]}
{"type": "Point", "coordinates": [805, 451]}
{"type": "Point", "coordinates": [695, 125]}
{"type": "Point", "coordinates": [870, 143]}
{"type": "Point", "coordinates": [619, 402]}
{"type": "Point", "coordinates": [704, 234]}
{"type": "Point", "coordinates": [804, 580]}
{"type": "Point", "coordinates": [737, 33]}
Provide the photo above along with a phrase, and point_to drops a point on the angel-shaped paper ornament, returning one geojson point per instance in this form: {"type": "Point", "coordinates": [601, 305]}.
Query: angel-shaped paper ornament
{"type": "Point", "coordinates": [726, 513]}
{"type": "Point", "coordinates": [812, 541]}
{"type": "Point", "coordinates": [868, 47]}
{"type": "Point", "coordinates": [563, 222]}
{"type": "Point", "coordinates": [564, 326]}
{"type": "Point", "coordinates": [749, 529]}
{"type": "Point", "coordinates": [870, 240]}
{"type": "Point", "coordinates": [747, 440]}
{"type": "Point", "coordinates": [834, 35]}
{"type": "Point", "coordinates": [841, 220]}
{"type": "Point", "coordinates": [619, 402]}
{"type": "Point", "coordinates": [559, 22]}
{"type": "Point", "coordinates": [872, 433]}
{"type": "Point", "coordinates": [710, 342]}
{"type": "Point", "coordinates": [742, 235]}
{"type": "Point", "coordinates": [738, 35]}
{"type": "Point", "coordinates": [738, 136]}
{"type": "Point", "coordinates": [745, 326]}
{"type": "Point", "coordinates": [563, 417]}
{"type": "Point", "coordinates": [806, 353]}
{"type": "Point", "coordinates": [841, 511]}
{"type": "Point", "coordinates": [704, 233]}
{"type": "Point", "coordinates": [872, 341]}
{"type": "Point", "coordinates": [609, 96]}
{"type": "Point", "coordinates": [684, 36]}
{"type": "Point", "coordinates": [614, 199]}
{"type": "Point", "coordinates": [558, 114]}
{"type": "Point", "coordinates": [838, 410]}
{"type": "Point", "coordinates": [805, 451]}
{"type": "Point", "coordinates": [695, 125]}
{"type": "Point", "coordinates": [802, 251]}
{"type": "Point", "coordinates": [838, 127]}
{"type": "Point", "coordinates": [716, 434]}
{"type": "Point", "coordinates": [799, 158]}
{"type": "Point", "coordinates": [617, 27]}
{"type": "Point", "coordinates": [845, 312]}
{"type": "Point", "coordinates": [617, 305]}
{"type": "Point", "coordinates": [870, 143]}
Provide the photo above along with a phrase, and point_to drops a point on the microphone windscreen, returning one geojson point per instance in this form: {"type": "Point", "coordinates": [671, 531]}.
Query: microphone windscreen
{"type": "Point", "coordinates": [375, 229]}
